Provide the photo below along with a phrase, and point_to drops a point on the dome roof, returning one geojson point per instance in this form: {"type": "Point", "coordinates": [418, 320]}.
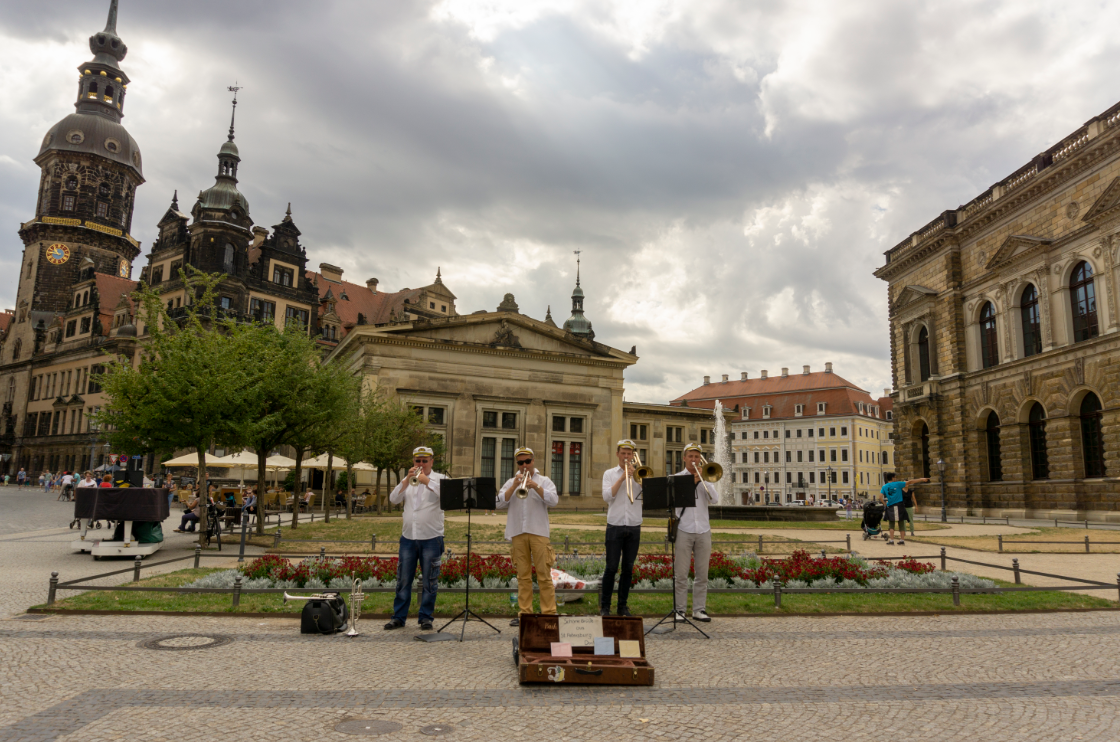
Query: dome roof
{"type": "Point", "coordinates": [223, 195]}
{"type": "Point", "coordinates": [229, 148]}
{"type": "Point", "coordinates": [577, 324]}
{"type": "Point", "coordinates": [128, 330]}
{"type": "Point", "coordinates": [90, 133]}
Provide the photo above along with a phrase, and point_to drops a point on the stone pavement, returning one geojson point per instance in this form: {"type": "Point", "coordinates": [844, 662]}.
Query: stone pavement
{"type": "Point", "coordinates": [961, 677]}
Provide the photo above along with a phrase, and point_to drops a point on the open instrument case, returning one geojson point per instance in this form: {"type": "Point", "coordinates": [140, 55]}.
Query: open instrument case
{"type": "Point", "coordinates": [532, 652]}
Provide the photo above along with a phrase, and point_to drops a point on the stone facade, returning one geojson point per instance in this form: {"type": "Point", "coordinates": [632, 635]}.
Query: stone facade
{"type": "Point", "coordinates": [1004, 303]}
{"type": "Point", "coordinates": [662, 431]}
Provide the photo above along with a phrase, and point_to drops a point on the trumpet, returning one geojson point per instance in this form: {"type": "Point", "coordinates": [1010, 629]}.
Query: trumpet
{"type": "Point", "coordinates": [415, 479]}
{"type": "Point", "coordinates": [522, 490]}
{"type": "Point", "coordinates": [640, 473]}
{"type": "Point", "coordinates": [356, 598]}
{"type": "Point", "coordinates": [710, 472]}
{"type": "Point", "coordinates": [313, 596]}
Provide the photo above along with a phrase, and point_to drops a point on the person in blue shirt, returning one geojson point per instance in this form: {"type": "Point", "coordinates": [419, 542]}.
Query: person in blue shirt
{"type": "Point", "coordinates": [893, 496]}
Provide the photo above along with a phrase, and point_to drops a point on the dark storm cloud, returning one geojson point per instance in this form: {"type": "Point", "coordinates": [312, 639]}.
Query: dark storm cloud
{"type": "Point", "coordinates": [731, 171]}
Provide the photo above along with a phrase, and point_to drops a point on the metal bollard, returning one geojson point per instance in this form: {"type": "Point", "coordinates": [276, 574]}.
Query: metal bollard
{"type": "Point", "coordinates": [276, 538]}
{"type": "Point", "coordinates": [1000, 538]}
{"type": "Point", "coordinates": [777, 594]}
{"type": "Point", "coordinates": [956, 591]}
{"type": "Point", "coordinates": [197, 555]}
{"type": "Point", "coordinates": [1015, 566]}
{"type": "Point", "coordinates": [136, 568]}
{"type": "Point", "coordinates": [760, 543]}
{"type": "Point", "coordinates": [943, 559]}
{"type": "Point", "coordinates": [54, 587]}
{"type": "Point", "coordinates": [312, 516]}
{"type": "Point", "coordinates": [1117, 583]}
{"type": "Point", "coordinates": [823, 556]}
{"type": "Point", "coordinates": [567, 542]}
{"type": "Point", "coordinates": [1086, 524]}
{"type": "Point", "coordinates": [849, 537]}
{"type": "Point", "coordinates": [237, 591]}
{"type": "Point", "coordinates": [373, 542]}
{"type": "Point", "coordinates": [1086, 544]}
{"type": "Point", "coordinates": [322, 551]}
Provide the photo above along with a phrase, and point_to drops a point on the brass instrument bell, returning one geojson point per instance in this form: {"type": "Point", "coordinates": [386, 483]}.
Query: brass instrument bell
{"type": "Point", "coordinates": [710, 471]}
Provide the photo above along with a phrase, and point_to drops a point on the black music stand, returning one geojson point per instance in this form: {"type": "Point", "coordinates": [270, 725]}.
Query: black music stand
{"type": "Point", "coordinates": [468, 494]}
{"type": "Point", "coordinates": [670, 493]}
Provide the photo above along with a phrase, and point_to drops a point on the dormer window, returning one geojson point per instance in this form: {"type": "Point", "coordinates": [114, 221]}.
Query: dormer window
{"type": "Point", "coordinates": [820, 408]}
{"type": "Point", "coordinates": [766, 412]}
{"type": "Point", "coordinates": [798, 410]}
{"type": "Point", "coordinates": [282, 276]}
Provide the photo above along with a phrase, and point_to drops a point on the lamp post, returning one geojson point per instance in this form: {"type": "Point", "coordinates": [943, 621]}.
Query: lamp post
{"type": "Point", "coordinates": [941, 473]}
{"type": "Point", "coordinates": [829, 470]}
{"type": "Point", "coordinates": [93, 430]}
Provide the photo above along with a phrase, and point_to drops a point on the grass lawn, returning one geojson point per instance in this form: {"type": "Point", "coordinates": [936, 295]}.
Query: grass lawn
{"type": "Point", "coordinates": [498, 604]}
{"type": "Point", "coordinates": [828, 525]}
{"type": "Point", "coordinates": [1073, 541]}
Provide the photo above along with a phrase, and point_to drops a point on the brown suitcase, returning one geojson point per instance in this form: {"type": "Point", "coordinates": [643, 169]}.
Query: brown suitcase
{"type": "Point", "coordinates": [535, 664]}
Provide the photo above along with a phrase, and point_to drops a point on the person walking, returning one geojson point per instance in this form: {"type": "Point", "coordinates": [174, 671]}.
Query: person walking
{"type": "Point", "coordinates": [21, 478]}
{"type": "Point", "coordinates": [43, 482]}
{"type": "Point", "coordinates": [909, 501]}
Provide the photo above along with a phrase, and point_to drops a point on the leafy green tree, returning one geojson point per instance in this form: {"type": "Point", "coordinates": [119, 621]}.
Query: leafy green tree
{"type": "Point", "coordinates": [191, 384]}
{"type": "Point", "coordinates": [395, 431]}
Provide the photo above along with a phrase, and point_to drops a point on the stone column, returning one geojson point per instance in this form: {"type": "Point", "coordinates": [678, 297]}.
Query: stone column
{"type": "Point", "coordinates": [464, 443]}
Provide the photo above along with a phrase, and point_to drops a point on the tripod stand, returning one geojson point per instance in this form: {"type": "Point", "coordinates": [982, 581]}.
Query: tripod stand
{"type": "Point", "coordinates": [467, 497]}
{"type": "Point", "coordinates": [671, 501]}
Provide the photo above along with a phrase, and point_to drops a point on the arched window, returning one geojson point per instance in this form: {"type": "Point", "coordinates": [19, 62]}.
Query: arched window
{"type": "Point", "coordinates": [15, 351]}
{"type": "Point", "coordinates": [1032, 326]}
{"type": "Point", "coordinates": [995, 463]}
{"type": "Point", "coordinates": [1040, 462]}
{"type": "Point", "coordinates": [923, 355]}
{"type": "Point", "coordinates": [11, 390]}
{"type": "Point", "coordinates": [989, 340]}
{"type": "Point", "coordinates": [85, 298]}
{"type": "Point", "coordinates": [1092, 447]}
{"type": "Point", "coordinates": [1083, 301]}
{"type": "Point", "coordinates": [925, 450]}
{"type": "Point", "coordinates": [227, 262]}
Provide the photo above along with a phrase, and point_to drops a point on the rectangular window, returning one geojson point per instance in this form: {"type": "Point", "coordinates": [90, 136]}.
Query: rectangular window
{"type": "Point", "coordinates": [488, 447]}
{"type": "Point", "coordinates": [575, 467]}
{"type": "Point", "coordinates": [743, 457]}
{"type": "Point", "coordinates": [833, 477]}
{"type": "Point", "coordinates": [703, 436]}
{"type": "Point", "coordinates": [766, 457]}
{"type": "Point", "coordinates": [843, 454]}
{"type": "Point", "coordinates": [489, 419]}
{"type": "Point", "coordinates": [54, 423]}
{"type": "Point", "coordinates": [788, 433]}
{"type": "Point", "coordinates": [71, 328]}
{"type": "Point", "coordinates": [845, 477]}
{"type": "Point", "coordinates": [102, 209]}
{"type": "Point", "coordinates": [756, 477]}
{"type": "Point", "coordinates": [789, 456]}
{"type": "Point", "coordinates": [643, 432]}
{"type": "Point", "coordinates": [576, 425]}
{"type": "Point", "coordinates": [799, 432]}
{"type": "Point", "coordinates": [560, 423]}
{"type": "Point", "coordinates": [85, 325]}
{"type": "Point", "coordinates": [435, 415]}
{"type": "Point", "coordinates": [431, 305]}
{"type": "Point", "coordinates": [509, 445]}
{"type": "Point", "coordinates": [832, 432]}
{"type": "Point", "coordinates": [812, 477]}
{"type": "Point", "coordinates": [282, 276]}
{"type": "Point", "coordinates": [843, 431]}
{"type": "Point", "coordinates": [810, 457]}
{"type": "Point", "coordinates": [766, 434]}
{"type": "Point", "coordinates": [799, 457]}
{"type": "Point", "coordinates": [262, 311]}
{"type": "Point", "coordinates": [295, 314]}
{"type": "Point", "coordinates": [557, 469]}
{"type": "Point", "coordinates": [789, 477]}
{"type": "Point", "coordinates": [756, 457]}
{"type": "Point", "coordinates": [832, 454]}
{"type": "Point", "coordinates": [226, 302]}
{"type": "Point", "coordinates": [509, 421]}
{"type": "Point", "coordinates": [820, 433]}
{"type": "Point", "coordinates": [67, 203]}
{"type": "Point", "coordinates": [157, 275]}
{"type": "Point", "coordinates": [94, 377]}
{"type": "Point", "coordinates": [861, 457]}
{"type": "Point", "coordinates": [756, 435]}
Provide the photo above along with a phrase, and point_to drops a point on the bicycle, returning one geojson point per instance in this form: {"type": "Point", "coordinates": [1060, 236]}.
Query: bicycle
{"type": "Point", "coordinates": [213, 527]}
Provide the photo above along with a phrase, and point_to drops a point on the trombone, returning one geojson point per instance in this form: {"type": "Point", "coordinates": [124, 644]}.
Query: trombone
{"type": "Point", "coordinates": [640, 473]}
{"type": "Point", "coordinates": [709, 471]}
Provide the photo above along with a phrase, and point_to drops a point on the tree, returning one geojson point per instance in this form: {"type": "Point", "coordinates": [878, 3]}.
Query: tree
{"type": "Point", "coordinates": [190, 386]}
{"type": "Point", "coordinates": [354, 443]}
{"type": "Point", "coordinates": [395, 431]}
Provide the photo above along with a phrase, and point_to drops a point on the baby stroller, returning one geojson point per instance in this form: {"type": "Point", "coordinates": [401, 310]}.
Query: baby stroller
{"type": "Point", "coordinates": [872, 520]}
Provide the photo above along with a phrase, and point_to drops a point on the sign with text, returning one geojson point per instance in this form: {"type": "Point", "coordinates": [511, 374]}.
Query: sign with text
{"type": "Point", "coordinates": [581, 631]}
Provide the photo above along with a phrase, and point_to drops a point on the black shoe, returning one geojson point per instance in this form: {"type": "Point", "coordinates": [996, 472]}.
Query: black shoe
{"type": "Point", "coordinates": [425, 625]}
{"type": "Point", "coordinates": [515, 622]}
{"type": "Point", "coordinates": [624, 611]}
{"type": "Point", "coordinates": [605, 611]}
{"type": "Point", "coordinates": [393, 624]}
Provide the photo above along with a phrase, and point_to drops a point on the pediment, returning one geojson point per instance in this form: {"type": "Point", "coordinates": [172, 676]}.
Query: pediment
{"type": "Point", "coordinates": [1107, 206]}
{"type": "Point", "coordinates": [1015, 246]}
{"type": "Point", "coordinates": [505, 330]}
{"type": "Point", "coordinates": [912, 294]}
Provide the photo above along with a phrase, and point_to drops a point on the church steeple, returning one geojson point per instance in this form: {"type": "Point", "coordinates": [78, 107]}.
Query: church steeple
{"type": "Point", "coordinates": [577, 324]}
{"type": "Point", "coordinates": [223, 195]}
{"type": "Point", "coordinates": [102, 84]}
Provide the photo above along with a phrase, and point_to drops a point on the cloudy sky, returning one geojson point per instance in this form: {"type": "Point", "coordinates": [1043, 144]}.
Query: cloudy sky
{"type": "Point", "coordinates": [731, 170]}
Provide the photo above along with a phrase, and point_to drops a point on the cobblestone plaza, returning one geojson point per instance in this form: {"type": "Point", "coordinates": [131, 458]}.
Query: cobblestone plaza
{"type": "Point", "coordinates": [91, 678]}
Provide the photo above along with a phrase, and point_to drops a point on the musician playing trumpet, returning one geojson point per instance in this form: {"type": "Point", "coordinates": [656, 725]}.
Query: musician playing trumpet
{"type": "Point", "coordinates": [421, 538]}
{"type": "Point", "coordinates": [694, 540]}
{"type": "Point", "coordinates": [624, 526]}
{"type": "Point", "coordinates": [528, 495]}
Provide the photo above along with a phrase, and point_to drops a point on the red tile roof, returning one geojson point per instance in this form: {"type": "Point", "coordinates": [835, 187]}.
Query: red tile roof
{"type": "Point", "coordinates": [109, 290]}
{"type": "Point", "coordinates": [782, 394]}
{"type": "Point", "coordinates": [375, 307]}
{"type": "Point", "coordinates": [5, 321]}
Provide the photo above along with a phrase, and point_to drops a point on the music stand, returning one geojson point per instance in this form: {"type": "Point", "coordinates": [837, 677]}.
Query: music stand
{"type": "Point", "coordinates": [670, 493]}
{"type": "Point", "coordinates": [460, 494]}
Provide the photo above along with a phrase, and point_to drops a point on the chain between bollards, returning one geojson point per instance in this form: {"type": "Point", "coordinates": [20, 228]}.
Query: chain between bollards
{"type": "Point", "coordinates": [136, 568]}
{"type": "Point", "coordinates": [956, 590]}
{"type": "Point", "coordinates": [54, 587]}
{"type": "Point", "coordinates": [237, 591]}
{"type": "Point", "coordinates": [197, 555]}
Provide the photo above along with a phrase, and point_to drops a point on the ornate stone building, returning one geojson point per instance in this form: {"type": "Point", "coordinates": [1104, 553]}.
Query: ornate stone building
{"type": "Point", "coordinates": [1004, 344]}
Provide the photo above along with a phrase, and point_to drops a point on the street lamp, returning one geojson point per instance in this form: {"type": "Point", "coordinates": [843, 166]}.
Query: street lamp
{"type": "Point", "coordinates": [829, 470]}
{"type": "Point", "coordinates": [941, 472]}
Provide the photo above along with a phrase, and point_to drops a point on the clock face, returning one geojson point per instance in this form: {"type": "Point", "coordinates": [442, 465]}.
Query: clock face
{"type": "Point", "coordinates": [124, 271]}
{"type": "Point", "coordinates": [58, 254]}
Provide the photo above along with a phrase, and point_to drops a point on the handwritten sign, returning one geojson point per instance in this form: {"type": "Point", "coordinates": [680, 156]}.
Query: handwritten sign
{"type": "Point", "coordinates": [581, 631]}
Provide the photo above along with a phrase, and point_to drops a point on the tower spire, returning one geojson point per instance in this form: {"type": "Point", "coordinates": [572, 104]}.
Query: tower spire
{"type": "Point", "coordinates": [232, 88]}
{"type": "Point", "coordinates": [111, 23]}
{"type": "Point", "coordinates": [577, 252]}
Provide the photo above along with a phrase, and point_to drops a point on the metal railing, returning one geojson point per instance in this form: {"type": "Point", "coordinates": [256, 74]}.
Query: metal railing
{"type": "Point", "coordinates": [1086, 542]}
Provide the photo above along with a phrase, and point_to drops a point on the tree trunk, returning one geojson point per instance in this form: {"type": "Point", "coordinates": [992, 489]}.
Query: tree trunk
{"type": "Point", "coordinates": [296, 487]}
{"type": "Point", "coordinates": [203, 494]}
{"type": "Point", "coordinates": [349, 490]}
{"type": "Point", "coordinates": [328, 494]}
{"type": "Point", "coordinates": [262, 455]}
{"type": "Point", "coordinates": [377, 491]}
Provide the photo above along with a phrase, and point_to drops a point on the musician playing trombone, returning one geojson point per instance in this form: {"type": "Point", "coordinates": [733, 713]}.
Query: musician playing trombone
{"type": "Point", "coordinates": [694, 540]}
{"type": "Point", "coordinates": [421, 539]}
{"type": "Point", "coordinates": [622, 490]}
{"type": "Point", "coordinates": [528, 495]}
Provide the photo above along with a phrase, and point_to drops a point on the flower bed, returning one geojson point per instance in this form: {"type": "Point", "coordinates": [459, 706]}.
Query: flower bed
{"type": "Point", "coordinates": [650, 571]}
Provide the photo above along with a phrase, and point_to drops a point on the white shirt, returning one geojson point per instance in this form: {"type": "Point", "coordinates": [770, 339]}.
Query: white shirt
{"type": "Point", "coordinates": [88, 483]}
{"type": "Point", "coordinates": [422, 517]}
{"type": "Point", "coordinates": [531, 514]}
{"type": "Point", "coordinates": [68, 479]}
{"type": "Point", "coordinates": [620, 511]}
{"type": "Point", "coordinates": [695, 519]}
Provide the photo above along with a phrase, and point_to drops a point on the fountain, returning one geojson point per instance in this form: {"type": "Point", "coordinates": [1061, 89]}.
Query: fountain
{"type": "Point", "coordinates": [722, 456]}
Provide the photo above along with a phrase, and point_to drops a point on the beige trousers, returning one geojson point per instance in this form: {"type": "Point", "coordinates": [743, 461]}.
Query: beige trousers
{"type": "Point", "coordinates": [528, 551]}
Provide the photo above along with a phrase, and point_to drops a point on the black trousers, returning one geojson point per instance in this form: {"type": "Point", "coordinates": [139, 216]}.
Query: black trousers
{"type": "Point", "coordinates": [622, 543]}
